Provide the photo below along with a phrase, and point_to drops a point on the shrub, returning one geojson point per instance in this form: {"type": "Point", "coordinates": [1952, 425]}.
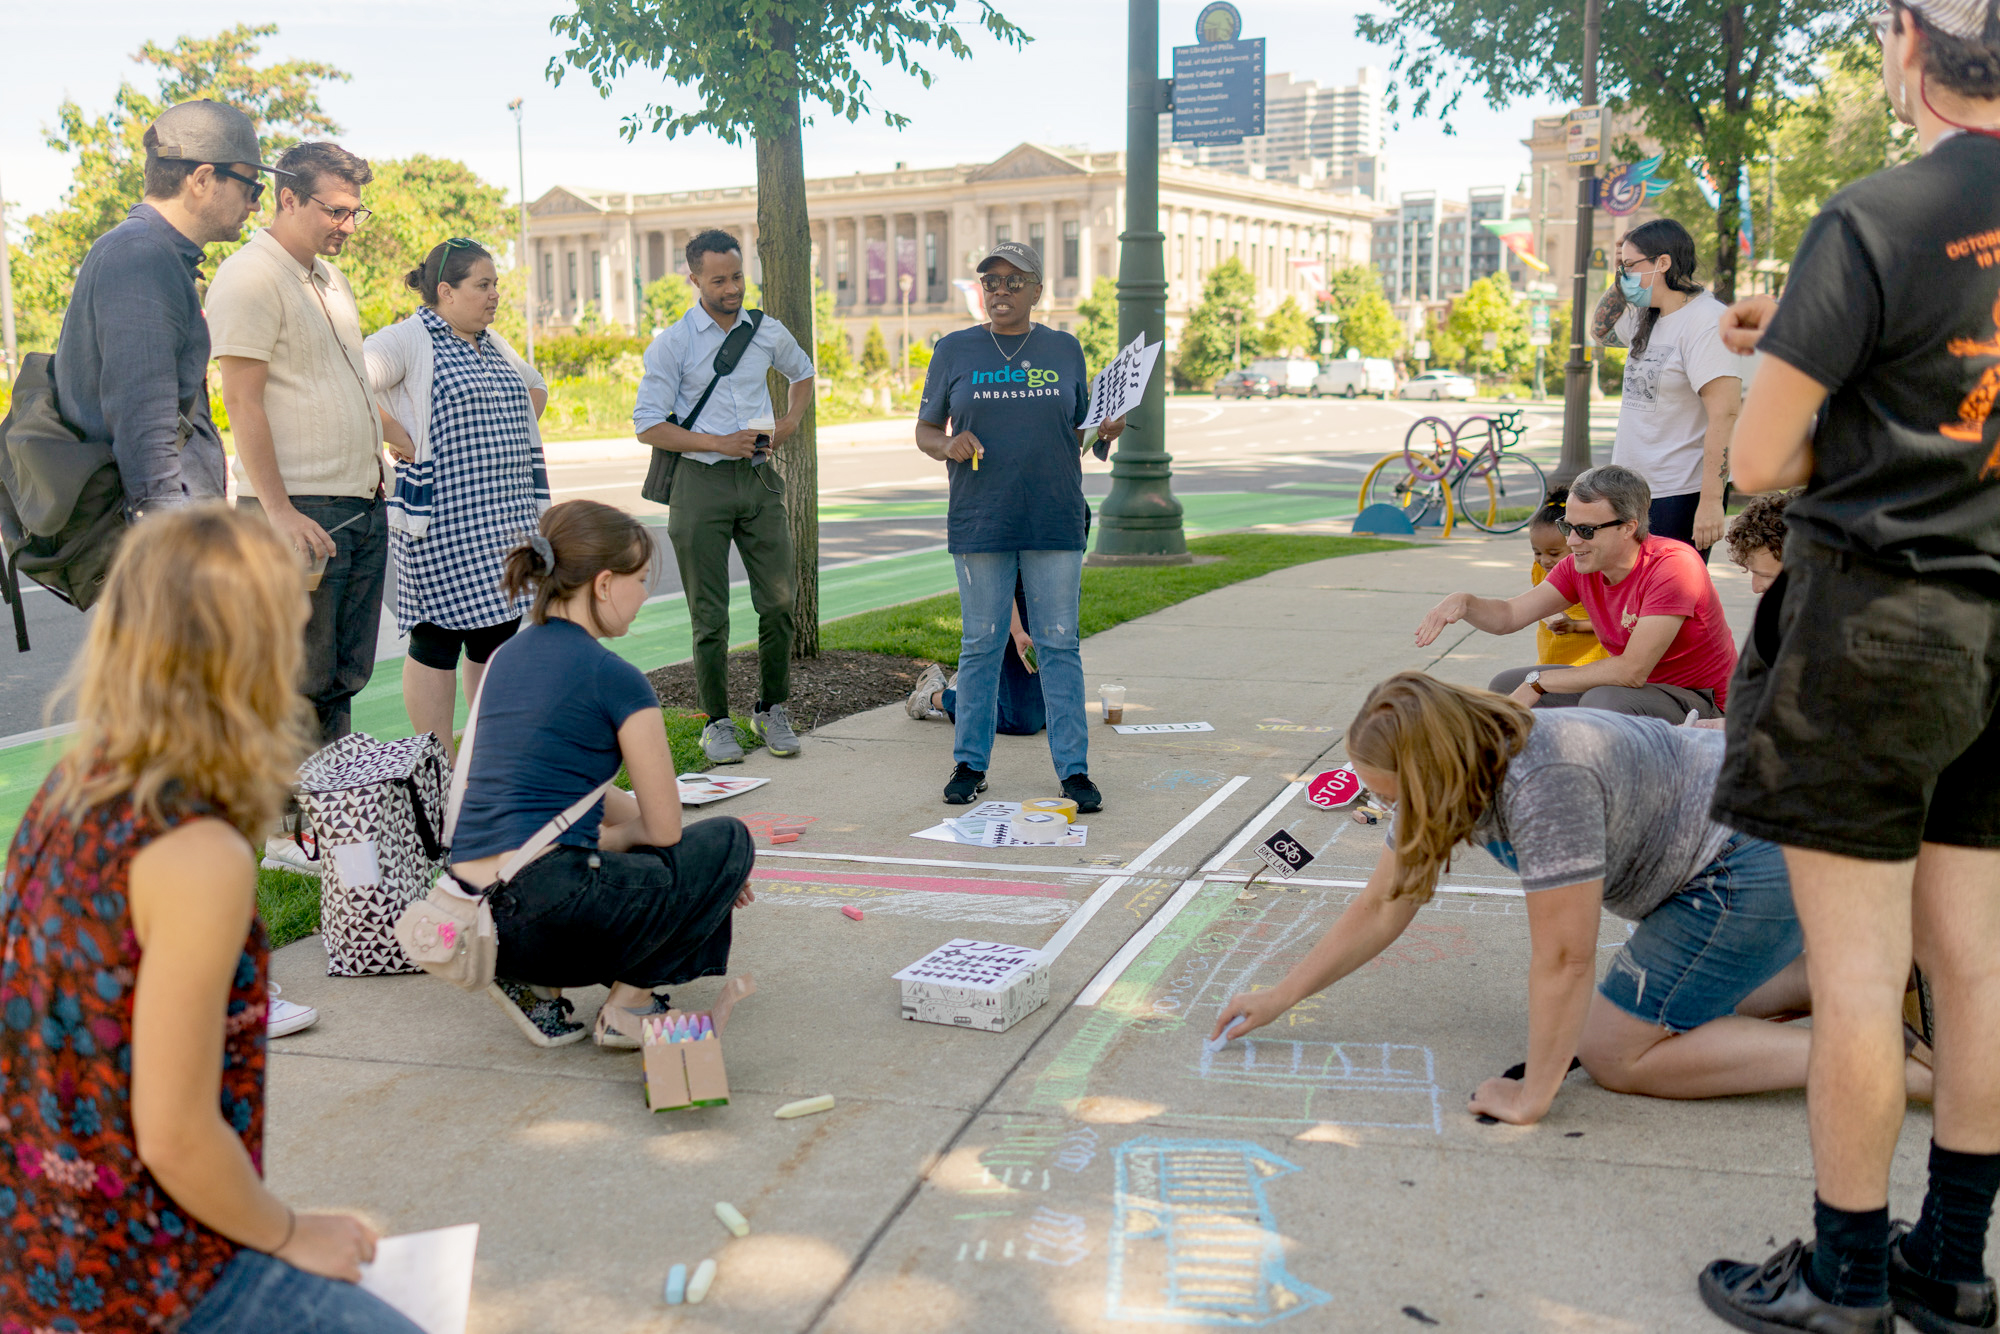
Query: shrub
{"type": "Point", "coordinates": [566, 356]}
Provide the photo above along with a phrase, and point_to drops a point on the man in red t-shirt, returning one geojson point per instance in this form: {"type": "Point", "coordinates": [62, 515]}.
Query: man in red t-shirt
{"type": "Point", "coordinates": [1649, 598]}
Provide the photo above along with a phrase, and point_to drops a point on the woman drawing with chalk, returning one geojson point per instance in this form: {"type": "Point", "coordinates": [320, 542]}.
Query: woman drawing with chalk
{"type": "Point", "coordinates": [625, 897]}
{"type": "Point", "coordinates": [1593, 810]}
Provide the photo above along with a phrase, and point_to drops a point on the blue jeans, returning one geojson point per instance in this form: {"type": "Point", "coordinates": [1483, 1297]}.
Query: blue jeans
{"type": "Point", "coordinates": [259, 1294]}
{"type": "Point", "coordinates": [1052, 582]}
{"type": "Point", "coordinates": [1727, 932]}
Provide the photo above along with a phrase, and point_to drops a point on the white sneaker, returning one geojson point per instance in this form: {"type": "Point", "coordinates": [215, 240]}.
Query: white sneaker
{"type": "Point", "coordinates": [285, 854]}
{"type": "Point", "coordinates": [919, 705]}
{"type": "Point", "coordinates": [285, 1018]}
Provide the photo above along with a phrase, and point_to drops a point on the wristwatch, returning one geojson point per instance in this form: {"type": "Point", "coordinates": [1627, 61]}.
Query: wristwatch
{"type": "Point", "coordinates": [1534, 679]}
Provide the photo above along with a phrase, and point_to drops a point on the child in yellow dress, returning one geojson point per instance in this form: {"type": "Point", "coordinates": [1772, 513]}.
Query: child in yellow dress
{"type": "Point", "coordinates": [1566, 638]}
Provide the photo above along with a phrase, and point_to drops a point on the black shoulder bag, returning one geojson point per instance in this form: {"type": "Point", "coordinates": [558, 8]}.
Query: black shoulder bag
{"type": "Point", "coordinates": [659, 484]}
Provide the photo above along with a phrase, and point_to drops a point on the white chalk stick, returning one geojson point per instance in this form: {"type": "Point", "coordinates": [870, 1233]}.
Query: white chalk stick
{"type": "Point", "coordinates": [704, 1275]}
{"type": "Point", "coordinates": [1214, 1045]}
{"type": "Point", "coordinates": [805, 1107]}
{"type": "Point", "coordinates": [732, 1218]}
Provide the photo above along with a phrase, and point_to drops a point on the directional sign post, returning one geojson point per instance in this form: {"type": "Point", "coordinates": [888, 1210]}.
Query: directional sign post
{"type": "Point", "coordinates": [1219, 91]}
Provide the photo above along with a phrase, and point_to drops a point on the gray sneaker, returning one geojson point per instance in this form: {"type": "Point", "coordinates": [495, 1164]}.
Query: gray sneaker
{"type": "Point", "coordinates": [919, 705]}
{"type": "Point", "coordinates": [718, 742]}
{"type": "Point", "coordinates": [774, 728]}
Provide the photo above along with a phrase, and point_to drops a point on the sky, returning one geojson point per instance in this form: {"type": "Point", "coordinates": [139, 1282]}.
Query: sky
{"type": "Point", "coordinates": [435, 77]}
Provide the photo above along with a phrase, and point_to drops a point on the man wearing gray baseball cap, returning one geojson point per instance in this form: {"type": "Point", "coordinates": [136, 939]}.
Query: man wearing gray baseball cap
{"type": "Point", "coordinates": [1864, 716]}
{"type": "Point", "coordinates": [133, 354]}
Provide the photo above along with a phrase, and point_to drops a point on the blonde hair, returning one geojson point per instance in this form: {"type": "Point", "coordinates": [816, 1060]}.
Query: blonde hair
{"type": "Point", "coordinates": [1449, 748]}
{"type": "Point", "coordinates": [187, 687]}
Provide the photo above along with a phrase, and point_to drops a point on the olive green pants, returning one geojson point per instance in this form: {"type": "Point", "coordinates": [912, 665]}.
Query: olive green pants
{"type": "Point", "coordinates": [715, 505]}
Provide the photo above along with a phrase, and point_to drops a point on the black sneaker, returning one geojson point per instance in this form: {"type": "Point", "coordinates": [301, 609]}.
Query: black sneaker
{"type": "Point", "coordinates": [1935, 1305]}
{"type": "Point", "coordinates": [966, 783]}
{"type": "Point", "coordinates": [545, 1020]}
{"type": "Point", "coordinates": [1079, 789]}
{"type": "Point", "coordinates": [1773, 1297]}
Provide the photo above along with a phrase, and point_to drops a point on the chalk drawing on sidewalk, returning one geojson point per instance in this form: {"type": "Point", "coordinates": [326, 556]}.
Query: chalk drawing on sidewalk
{"type": "Point", "coordinates": [1387, 1084]}
{"type": "Point", "coordinates": [923, 906]}
{"type": "Point", "coordinates": [1193, 1239]}
{"type": "Point", "coordinates": [1173, 780]}
{"type": "Point", "coordinates": [1051, 1237]}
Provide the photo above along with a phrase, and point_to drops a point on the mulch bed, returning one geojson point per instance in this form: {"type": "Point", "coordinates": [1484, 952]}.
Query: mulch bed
{"type": "Point", "coordinates": [825, 689]}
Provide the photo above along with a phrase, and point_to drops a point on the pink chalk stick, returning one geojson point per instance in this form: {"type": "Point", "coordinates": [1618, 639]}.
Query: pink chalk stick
{"type": "Point", "coordinates": [784, 838]}
{"type": "Point", "coordinates": [849, 911]}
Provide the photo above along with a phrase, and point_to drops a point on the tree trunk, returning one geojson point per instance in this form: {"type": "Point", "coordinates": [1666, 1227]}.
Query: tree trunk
{"type": "Point", "coordinates": [1728, 221]}
{"type": "Point", "coordinates": [784, 249]}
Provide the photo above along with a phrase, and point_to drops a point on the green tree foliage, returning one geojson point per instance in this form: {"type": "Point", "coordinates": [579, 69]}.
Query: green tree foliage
{"type": "Point", "coordinates": [833, 357]}
{"type": "Point", "coordinates": [1209, 338]}
{"type": "Point", "coordinates": [667, 299]}
{"type": "Point", "coordinates": [1367, 323]}
{"type": "Point", "coordinates": [1488, 307]}
{"type": "Point", "coordinates": [110, 157]}
{"type": "Point", "coordinates": [1288, 332]}
{"type": "Point", "coordinates": [1446, 349]}
{"type": "Point", "coordinates": [418, 202]}
{"type": "Point", "coordinates": [1097, 327]}
{"type": "Point", "coordinates": [875, 351]}
{"type": "Point", "coordinates": [753, 70]}
{"type": "Point", "coordinates": [1710, 77]}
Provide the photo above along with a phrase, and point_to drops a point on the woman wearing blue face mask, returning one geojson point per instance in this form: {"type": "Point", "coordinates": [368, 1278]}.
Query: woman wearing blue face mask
{"type": "Point", "coordinates": [1682, 386]}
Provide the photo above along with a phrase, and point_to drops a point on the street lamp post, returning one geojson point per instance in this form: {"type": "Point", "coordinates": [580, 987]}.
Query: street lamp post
{"type": "Point", "coordinates": [527, 264]}
{"type": "Point", "coordinates": [1578, 370]}
{"type": "Point", "coordinates": [1139, 523]}
{"type": "Point", "coordinates": [904, 283]}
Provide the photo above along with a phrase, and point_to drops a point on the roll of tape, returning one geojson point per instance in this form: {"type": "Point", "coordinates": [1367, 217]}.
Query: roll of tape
{"type": "Point", "coordinates": [1039, 827]}
{"type": "Point", "coordinates": [1062, 806]}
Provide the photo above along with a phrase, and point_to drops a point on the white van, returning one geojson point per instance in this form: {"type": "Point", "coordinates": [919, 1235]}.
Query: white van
{"type": "Point", "coordinates": [1289, 375]}
{"type": "Point", "coordinates": [1349, 379]}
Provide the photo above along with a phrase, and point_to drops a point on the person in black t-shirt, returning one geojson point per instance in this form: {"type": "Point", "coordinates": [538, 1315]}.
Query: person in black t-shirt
{"type": "Point", "coordinates": [1864, 719]}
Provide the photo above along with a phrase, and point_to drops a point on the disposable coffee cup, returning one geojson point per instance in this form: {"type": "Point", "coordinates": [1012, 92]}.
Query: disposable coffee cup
{"type": "Point", "coordinates": [1114, 703]}
{"type": "Point", "coordinates": [315, 571]}
{"type": "Point", "coordinates": [764, 427]}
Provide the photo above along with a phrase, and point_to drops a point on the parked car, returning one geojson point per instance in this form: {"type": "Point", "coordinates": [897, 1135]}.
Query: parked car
{"type": "Point", "coordinates": [1363, 375]}
{"type": "Point", "coordinates": [1292, 375]}
{"type": "Point", "coordinates": [1435, 385]}
{"type": "Point", "coordinates": [1247, 384]}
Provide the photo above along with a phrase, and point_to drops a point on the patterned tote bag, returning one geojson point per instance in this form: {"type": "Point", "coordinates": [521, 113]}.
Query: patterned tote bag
{"type": "Point", "coordinates": [373, 809]}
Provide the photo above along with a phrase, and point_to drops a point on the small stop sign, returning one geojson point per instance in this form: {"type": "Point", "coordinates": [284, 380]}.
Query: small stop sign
{"type": "Point", "coordinates": [1334, 788]}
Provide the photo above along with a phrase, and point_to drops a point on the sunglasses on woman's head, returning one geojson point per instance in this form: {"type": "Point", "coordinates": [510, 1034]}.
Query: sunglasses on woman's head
{"type": "Point", "coordinates": [1586, 531]}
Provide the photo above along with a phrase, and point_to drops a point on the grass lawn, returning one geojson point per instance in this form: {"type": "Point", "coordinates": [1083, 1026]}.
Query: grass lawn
{"type": "Point", "coordinates": [929, 629]}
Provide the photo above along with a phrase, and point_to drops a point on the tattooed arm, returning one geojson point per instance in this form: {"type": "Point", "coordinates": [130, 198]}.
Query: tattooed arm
{"type": "Point", "coordinates": [1602, 324]}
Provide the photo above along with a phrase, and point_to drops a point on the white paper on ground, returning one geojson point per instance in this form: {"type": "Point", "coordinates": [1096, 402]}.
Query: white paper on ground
{"type": "Point", "coordinates": [700, 789]}
{"type": "Point", "coordinates": [1141, 729]}
{"type": "Point", "coordinates": [356, 864]}
{"type": "Point", "coordinates": [993, 836]}
{"type": "Point", "coordinates": [427, 1276]}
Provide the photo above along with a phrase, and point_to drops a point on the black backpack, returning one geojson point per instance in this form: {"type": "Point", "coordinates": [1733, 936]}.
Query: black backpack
{"type": "Point", "coordinates": [659, 484]}
{"type": "Point", "coordinates": [62, 506]}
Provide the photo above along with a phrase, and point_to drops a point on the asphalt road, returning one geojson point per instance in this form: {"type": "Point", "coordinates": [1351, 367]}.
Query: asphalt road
{"type": "Point", "coordinates": [879, 496]}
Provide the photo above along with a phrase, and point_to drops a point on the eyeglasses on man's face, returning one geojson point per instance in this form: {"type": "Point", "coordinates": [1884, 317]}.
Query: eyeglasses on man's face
{"type": "Point", "coordinates": [1013, 282]}
{"type": "Point", "coordinates": [251, 184]}
{"type": "Point", "coordinates": [1586, 531]}
{"type": "Point", "coordinates": [1879, 23]}
{"type": "Point", "coordinates": [339, 216]}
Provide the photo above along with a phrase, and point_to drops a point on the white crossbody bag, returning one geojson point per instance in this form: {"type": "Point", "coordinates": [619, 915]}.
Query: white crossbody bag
{"type": "Point", "coordinates": [450, 934]}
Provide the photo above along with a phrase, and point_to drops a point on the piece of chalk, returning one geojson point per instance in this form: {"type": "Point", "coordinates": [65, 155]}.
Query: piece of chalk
{"type": "Point", "coordinates": [677, 1278]}
{"type": "Point", "coordinates": [731, 1218]}
{"type": "Point", "coordinates": [805, 1107]}
{"type": "Point", "coordinates": [785, 838]}
{"type": "Point", "coordinates": [1214, 1045]}
{"type": "Point", "coordinates": [848, 910]}
{"type": "Point", "coordinates": [704, 1275]}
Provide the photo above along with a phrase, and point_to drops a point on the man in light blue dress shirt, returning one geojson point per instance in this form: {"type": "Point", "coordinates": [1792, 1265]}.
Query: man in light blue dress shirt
{"type": "Point", "coordinates": [726, 492]}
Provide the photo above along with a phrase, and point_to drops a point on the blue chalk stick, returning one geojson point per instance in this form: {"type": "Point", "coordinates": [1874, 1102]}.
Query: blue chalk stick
{"type": "Point", "coordinates": [677, 1279]}
{"type": "Point", "coordinates": [1214, 1045]}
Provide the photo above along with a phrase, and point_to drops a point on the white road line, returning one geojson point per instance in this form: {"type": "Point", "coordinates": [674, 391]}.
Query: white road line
{"type": "Point", "coordinates": [1183, 896]}
{"type": "Point", "coordinates": [1240, 877]}
{"type": "Point", "coordinates": [929, 861]}
{"type": "Point", "coordinates": [1060, 941]}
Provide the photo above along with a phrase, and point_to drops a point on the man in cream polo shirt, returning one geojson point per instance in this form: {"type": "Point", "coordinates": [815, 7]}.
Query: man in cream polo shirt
{"type": "Point", "coordinates": [307, 433]}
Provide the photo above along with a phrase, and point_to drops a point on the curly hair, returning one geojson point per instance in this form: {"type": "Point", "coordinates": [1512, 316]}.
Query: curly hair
{"type": "Point", "coordinates": [1760, 527]}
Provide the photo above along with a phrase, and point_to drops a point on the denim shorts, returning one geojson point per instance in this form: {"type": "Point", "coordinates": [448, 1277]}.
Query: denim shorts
{"type": "Point", "coordinates": [1724, 934]}
{"type": "Point", "coordinates": [261, 1294]}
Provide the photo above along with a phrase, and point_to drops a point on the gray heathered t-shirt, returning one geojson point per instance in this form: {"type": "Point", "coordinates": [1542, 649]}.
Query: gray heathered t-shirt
{"type": "Point", "coordinates": [1602, 794]}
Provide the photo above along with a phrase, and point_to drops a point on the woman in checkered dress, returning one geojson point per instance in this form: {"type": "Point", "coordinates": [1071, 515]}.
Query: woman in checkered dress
{"type": "Point", "coordinates": [460, 411]}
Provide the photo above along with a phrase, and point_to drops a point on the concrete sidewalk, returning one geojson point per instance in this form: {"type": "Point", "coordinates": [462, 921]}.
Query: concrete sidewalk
{"type": "Point", "coordinates": [1090, 1169]}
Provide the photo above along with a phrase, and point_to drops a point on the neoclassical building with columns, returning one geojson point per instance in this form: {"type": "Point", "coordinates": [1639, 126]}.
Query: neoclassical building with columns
{"type": "Point", "coordinates": [598, 248]}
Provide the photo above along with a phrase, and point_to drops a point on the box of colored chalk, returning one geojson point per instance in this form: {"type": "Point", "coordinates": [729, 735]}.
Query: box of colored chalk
{"type": "Point", "coordinates": [975, 984]}
{"type": "Point", "coordinates": [683, 1053]}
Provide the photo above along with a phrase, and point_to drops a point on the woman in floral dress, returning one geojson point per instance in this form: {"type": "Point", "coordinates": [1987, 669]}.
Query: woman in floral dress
{"type": "Point", "coordinates": [132, 968]}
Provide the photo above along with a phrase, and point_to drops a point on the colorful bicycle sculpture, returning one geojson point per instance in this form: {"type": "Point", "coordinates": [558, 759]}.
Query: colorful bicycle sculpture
{"type": "Point", "coordinates": [1471, 469]}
